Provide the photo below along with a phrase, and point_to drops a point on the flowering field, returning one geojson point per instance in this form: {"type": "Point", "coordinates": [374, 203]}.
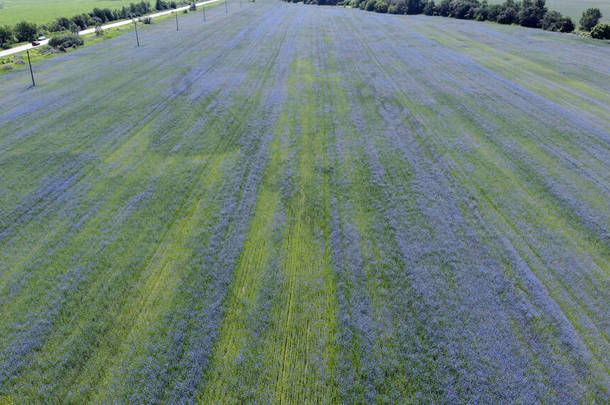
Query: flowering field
{"type": "Point", "coordinates": [299, 204]}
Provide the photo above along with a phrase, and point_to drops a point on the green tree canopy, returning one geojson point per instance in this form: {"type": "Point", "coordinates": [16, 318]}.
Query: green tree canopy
{"type": "Point", "coordinates": [601, 31]}
{"type": "Point", "coordinates": [25, 31]}
{"type": "Point", "coordinates": [6, 35]}
{"type": "Point", "coordinates": [590, 18]}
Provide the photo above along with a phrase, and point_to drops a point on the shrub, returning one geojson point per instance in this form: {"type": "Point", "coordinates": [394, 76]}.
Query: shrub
{"type": "Point", "coordinates": [508, 15]}
{"type": "Point", "coordinates": [146, 20]}
{"type": "Point", "coordinates": [193, 7]}
{"type": "Point", "coordinates": [532, 13]}
{"type": "Point", "coordinates": [463, 9]}
{"type": "Point", "coordinates": [99, 14]}
{"type": "Point", "coordinates": [109, 15]}
{"type": "Point", "coordinates": [567, 25]}
{"type": "Point", "coordinates": [161, 5]}
{"type": "Point", "coordinates": [98, 26]}
{"type": "Point", "coordinates": [381, 6]}
{"type": "Point", "coordinates": [601, 31]}
{"type": "Point", "coordinates": [393, 9]}
{"type": "Point", "coordinates": [25, 31]}
{"type": "Point", "coordinates": [482, 12]}
{"type": "Point", "coordinates": [430, 8]}
{"type": "Point", "coordinates": [66, 41]}
{"type": "Point", "coordinates": [400, 6]}
{"type": "Point", "coordinates": [415, 6]}
{"type": "Point", "coordinates": [590, 18]}
{"type": "Point", "coordinates": [62, 24]}
{"type": "Point", "coordinates": [554, 21]}
{"type": "Point", "coordinates": [82, 21]}
{"type": "Point", "coordinates": [493, 11]}
{"type": "Point", "coordinates": [444, 8]}
{"type": "Point", "coordinates": [44, 29]}
{"type": "Point", "coordinates": [370, 5]}
{"type": "Point", "coordinates": [551, 21]}
{"type": "Point", "coordinates": [6, 35]}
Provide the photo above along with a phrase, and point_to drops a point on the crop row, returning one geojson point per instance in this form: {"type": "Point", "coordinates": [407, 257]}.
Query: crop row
{"type": "Point", "coordinates": [297, 207]}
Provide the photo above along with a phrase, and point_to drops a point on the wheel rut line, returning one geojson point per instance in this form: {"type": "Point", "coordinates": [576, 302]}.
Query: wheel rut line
{"type": "Point", "coordinates": [270, 63]}
{"type": "Point", "coordinates": [159, 251]}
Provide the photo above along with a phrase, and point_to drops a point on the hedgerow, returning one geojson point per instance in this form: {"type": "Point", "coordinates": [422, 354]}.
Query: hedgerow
{"type": "Point", "coordinates": [65, 41]}
{"type": "Point", "coordinates": [528, 13]}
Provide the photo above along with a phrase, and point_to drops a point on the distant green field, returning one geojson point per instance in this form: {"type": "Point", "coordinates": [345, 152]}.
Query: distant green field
{"type": "Point", "coordinates": [574, 8]}
{"type": "Point", "coordinates": [43, 11]}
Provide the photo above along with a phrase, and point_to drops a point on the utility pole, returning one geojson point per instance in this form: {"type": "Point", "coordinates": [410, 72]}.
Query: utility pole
{"type": "Point", "coordinates": [203, 7]}
{"type": "Point", "coordinates": [135, 24]}
{"type": "Point", "coordinates": [31, 71]}
{"type": "Point", "coordinates": [226, 7]}
{"type": "Point", "coordinates": [176, 14]}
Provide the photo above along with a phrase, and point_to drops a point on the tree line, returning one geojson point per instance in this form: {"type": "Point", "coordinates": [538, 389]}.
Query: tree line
{"type": "Point", "coordinates": [27, 32]}
{"type": "Point", "coordinates": [528, 13]}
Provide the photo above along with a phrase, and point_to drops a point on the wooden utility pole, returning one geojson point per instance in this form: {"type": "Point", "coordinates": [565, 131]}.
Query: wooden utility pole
{"type": "Point", "coordinates": [177, 29]}
{"type": "Point", "coordinates": [203, 7]}
{"type": "Point", "coordinates": [135, 24]}
{"type": "Point", "coordinates": [31, 71]}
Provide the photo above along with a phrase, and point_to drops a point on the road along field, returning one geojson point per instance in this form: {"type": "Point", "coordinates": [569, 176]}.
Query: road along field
{"type": "Point", "coordinates": [106, 27]}
{"type": "Point", "coordinates": [300, 204]}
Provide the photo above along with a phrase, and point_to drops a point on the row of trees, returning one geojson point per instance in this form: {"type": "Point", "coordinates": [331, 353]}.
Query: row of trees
{"type": "Point", "coordinates": [528, 13]}
{"type": "Point", "coordinates": [23, 31]}
{"type": "Point", "coordinates": [164, 5]}
{"type": "Point", "coordinates": [27, 32]}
